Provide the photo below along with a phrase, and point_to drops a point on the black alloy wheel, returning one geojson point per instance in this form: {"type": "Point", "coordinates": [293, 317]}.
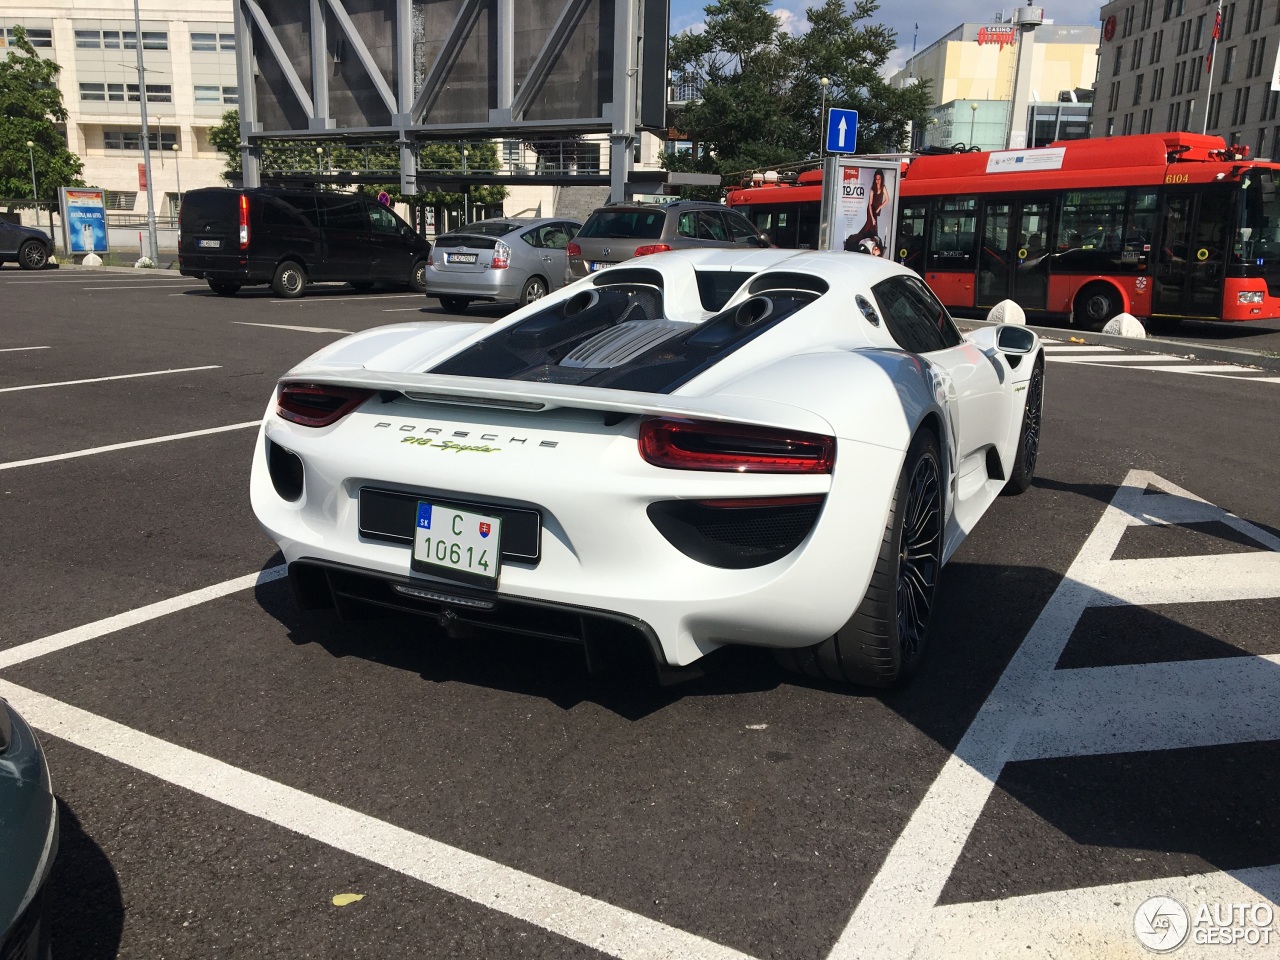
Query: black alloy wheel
{"type": "Point", "coordinates": [33, 256]}
{"type": "Point", "coordinates": [919, 557]}
{"type": "Point", "coordinates": [1028, 452]}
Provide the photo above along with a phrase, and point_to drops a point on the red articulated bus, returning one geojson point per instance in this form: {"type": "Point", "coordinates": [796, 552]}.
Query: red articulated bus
{"type": "Point", "coordinates": [1166, 227]}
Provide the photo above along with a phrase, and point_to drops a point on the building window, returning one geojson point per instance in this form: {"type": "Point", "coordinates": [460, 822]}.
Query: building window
{"type": "Point", "coordinates": [1171, 122]}
{"type": "Point", "coordinates": [1270, 105]}
{"type": "Point", "coordinates": [1157, 84]}
{"type": "Point", "coordinates": [1240, 110]}
{"type": "Point", "coordinates": [156, 92]}
{"type": "Point", "coordinates": [1128, 125]}
{"type": "Point", "coordinates": [36, 37]}
{"type": "Point", "coordinates": [1228, 20]}
{"type": "Point", "coordinates": [204, 41]}
{"type": "Point", "coordinates": [214, 94]}
{"type": "Point", "coordinates": [1127, 27]}
{"type": "Point", "coordinates": [115, 92]}
{"type": "Point", "coordinates": [1215, 108]}
{"type": "Point", "coordinates": [1228, 64]}
{"type": "Point", "coordinates": [89, 39]}
{"type": "Point", "coordinates": [1199, 32]}
{"type": "Point", "coordinates": [1118, 65]}
{"type": "Point", "coordinates": [1135, 61]}
{"type": "Point", "coordinates": [227, 42]}
{"type": "Point", "coordinates": [1197, 71]}
{"type": "Point", "coordinates": [93, 91]}
{"type": "Point", "coordinates": [1146, 121]}
{"type": "Point", "coordinates": [1137, 89]}
{"type": "Point", "coordinates": [121, 199]}
{"type": "Point", "coordinates": [1146, 13]}
{"type": "Point", "coordinates": [1157, 41]}
{"type": "Point", "coordinates": [1189, 109]}
{"type": "Point", "coordinates": [1257, 56]}
{"type": "Point", "coordinates": [1114, 99]}
{"type": "Point", "coordinates": [1179, 71]}
{"type": "Point", "coordinates": [132, 139]}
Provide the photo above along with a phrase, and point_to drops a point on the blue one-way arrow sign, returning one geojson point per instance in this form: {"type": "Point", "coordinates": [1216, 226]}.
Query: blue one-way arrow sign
{"type": "Point", "coordinates": [842, 131]}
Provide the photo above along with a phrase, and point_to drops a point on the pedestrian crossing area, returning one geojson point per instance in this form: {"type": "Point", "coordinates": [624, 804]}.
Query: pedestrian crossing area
{"type": "Point", "coordinates": [1059, 351]}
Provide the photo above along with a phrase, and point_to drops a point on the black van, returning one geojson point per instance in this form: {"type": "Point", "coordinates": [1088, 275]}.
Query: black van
{"type": "Point", "coordinates": [289, 238]}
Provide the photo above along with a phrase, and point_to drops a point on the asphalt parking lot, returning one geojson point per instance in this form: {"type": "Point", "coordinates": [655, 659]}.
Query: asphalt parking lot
{"type": "Point", "coordinates": [1099, 722]}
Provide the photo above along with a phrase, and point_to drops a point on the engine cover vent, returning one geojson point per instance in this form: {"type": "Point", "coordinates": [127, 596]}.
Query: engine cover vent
{"type": "Point", "coordinates": [622, 343]}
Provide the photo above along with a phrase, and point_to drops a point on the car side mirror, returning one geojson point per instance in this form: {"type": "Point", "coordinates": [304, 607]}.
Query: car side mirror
{"type": "Point", "coordinates": [1015, 339]}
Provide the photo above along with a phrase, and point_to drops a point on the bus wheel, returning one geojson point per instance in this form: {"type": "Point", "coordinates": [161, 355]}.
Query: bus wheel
{"type": "Point", "coordinates": [1094, 305]}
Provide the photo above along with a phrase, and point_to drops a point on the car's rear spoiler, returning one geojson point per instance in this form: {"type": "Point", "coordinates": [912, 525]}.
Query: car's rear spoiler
{"type": "Point", "coordinates": [536, 397]}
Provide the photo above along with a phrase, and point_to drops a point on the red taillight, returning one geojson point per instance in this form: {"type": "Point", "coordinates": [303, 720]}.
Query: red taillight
{"type": "Point", "coordinates": [431, 259]}
{"type": "Point", "coordinates": [734, 447]}
{"type": "Point", "coordinates": [244, 221]}
{"type": "Point", "coordinates": [501, 256]}
{"type": "Point", "coordinates": [652, 248]}
{"type": "Point", "coordinates": [573, 249]}
{"type": "Point", "coordinates": [318, 405]}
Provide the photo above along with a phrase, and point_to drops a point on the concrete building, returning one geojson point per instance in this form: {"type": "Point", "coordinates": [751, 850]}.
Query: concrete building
{"type": "Point", "coordinates": [994, 89]}
{"type": "Point", "coordinates": [1155, 76]}
{"type": "Point", "coordinates": [189, 54]}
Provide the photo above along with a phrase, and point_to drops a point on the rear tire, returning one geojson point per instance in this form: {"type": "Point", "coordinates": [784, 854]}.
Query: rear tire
{"type": "Point", "coordinates": [1094, 305]}
{"type": "Point", "coordinates": [885, 640]}
{"type": "Point", "coordinates": [455, 304]}
{"type": "Point", "coordinates": [290, 280]}
{"type": "Point", "coordinates": [535, 288]}
{"type": "Point", "coordinates": [1024, 468]}
{"type": "Point", "coordinates": [224, 288]}
{"type": "Point", "coordinates": [418, 277]}
{"type": "Point", "coordinates": [32, 256]}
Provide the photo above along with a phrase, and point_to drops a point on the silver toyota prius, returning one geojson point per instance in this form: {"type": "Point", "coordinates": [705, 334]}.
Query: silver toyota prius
{"type": "Point", "coordinates": [505, 260]}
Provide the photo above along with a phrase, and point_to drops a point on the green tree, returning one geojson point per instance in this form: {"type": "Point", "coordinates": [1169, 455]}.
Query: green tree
{"type": "Point", "coordinates": [760, 93]}
{"type": "Point", "coordinates": [30, 108]}
{"type": "Point", "coordinates": [225, 138]}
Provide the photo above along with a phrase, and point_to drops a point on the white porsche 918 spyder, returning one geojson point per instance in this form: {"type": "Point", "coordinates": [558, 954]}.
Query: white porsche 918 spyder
{"type": "Point", "coordinates": [770, 447]}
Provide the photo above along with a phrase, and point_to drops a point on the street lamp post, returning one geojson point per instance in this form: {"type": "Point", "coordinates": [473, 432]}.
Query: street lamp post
{"type": "Point", "coordinates": [822, 117]}
{"type": "Point", "coordinates": [146, 134]}
{"type": "Point", "coordinates": [466, 192]}
{"type": "Point", "coordinates": [973, 115]}
{"type": "Point", "coordinates": [177, 172]}
{"type": "Point", "coordinates": [35, 192]}
{"type": "Point", "coordinates": [320, 160]}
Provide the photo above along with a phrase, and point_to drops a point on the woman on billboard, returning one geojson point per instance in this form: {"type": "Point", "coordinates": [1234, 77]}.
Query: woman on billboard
{"type": "Point", "coordinates": [876, 202]}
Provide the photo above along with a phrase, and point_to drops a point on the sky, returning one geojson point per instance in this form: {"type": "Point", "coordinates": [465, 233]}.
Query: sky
{"type": "Point", "coordinates": [936, 18]}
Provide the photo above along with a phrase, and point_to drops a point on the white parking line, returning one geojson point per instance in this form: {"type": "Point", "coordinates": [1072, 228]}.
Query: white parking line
{"type": "Point", "coordinates": [889, 921]}
{"type": "Point", "coordinates": [125, 446]}
{"type": "Point", "coordinates": [376, 296]}
{"type": "Point", "coordinates": [402, 309]}
{"type": "Point", "coordinates": [16, 349]}
{"type": "Point", "coordinates": [123, 376]}
{"type": "Point", "coordinates": [1072, 348]}
{"type": "Point", "coordinates": [1088, 356]}
{"type": "Point", "coordinates": [131, 618]}
{"type": "Point", "coordinates": [594, 923]}
{"type": "Point", "coordinates": [135, 286]}
{"type": "Point", "coordinates": [285, 326]}
{"type": "Point", "coordinates": [102, 279]}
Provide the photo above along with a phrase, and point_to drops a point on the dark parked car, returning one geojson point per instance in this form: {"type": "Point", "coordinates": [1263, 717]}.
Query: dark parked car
{"type": "Point", "coordinates": [506, 260]}
{"type": "Point", "coordinates": [290, 238]}
{"type": "Point", "coordinates": [28, 841]}
{"type": "Point", "coordinates": [29, 246]}
{"type": "Point", "coordinates": [624, 230]}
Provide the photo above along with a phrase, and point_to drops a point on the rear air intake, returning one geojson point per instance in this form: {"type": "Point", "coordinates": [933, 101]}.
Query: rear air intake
{"type": "Point", "coordinates": [285, 469]}
{"type": "Point", "coordinates": [736, 534]}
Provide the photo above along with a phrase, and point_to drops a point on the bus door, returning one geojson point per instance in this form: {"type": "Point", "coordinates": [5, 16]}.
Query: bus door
{"type": "Point", "coordinates": [1012, 262]}
{"type": "Point", "coordinates": [1192, 254]}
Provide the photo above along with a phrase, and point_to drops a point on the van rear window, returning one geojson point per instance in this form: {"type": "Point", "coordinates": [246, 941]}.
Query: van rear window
{"type": "Point", "coordinates": [216, 207]}
{"type": "Point", "coordinates": [624, 224]}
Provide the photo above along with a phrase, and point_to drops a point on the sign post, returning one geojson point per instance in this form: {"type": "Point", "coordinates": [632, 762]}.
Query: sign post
{"type": "Point", "coordinates": [842, 131]}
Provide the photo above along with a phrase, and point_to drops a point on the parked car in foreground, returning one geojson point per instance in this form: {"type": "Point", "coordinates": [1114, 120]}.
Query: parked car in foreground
{"type": "Point", "coordinates": [28, 841]}
{"type": "Point", "coordinates": [624, 230]}
{"type": "Point", "coordinates": [777, 448]}
{"type": "Point", "coordinates": [503, 260]}
{"type": "Point", "coordinates": [292, 238]}
{"type": "Point", "coordinates": [30, 247]}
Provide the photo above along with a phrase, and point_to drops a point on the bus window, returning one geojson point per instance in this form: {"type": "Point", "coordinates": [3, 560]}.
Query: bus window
{"type": "Point", "coordinates": [911, 226]}
{"type": "Point", "coordinates": [1139, 227]}
{"type": "Point", "coordinates": [955, 229]}
{"type": "Point", "coordinates": [1091, 231]}
{"type": "Point", "coordinates": [1258, 239]}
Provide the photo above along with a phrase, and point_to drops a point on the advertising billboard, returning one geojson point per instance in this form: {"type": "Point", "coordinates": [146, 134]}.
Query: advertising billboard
{"type": "Point", "coordinates": [859, 205]}
{"type": "Point", "coordinates": [84, 219]}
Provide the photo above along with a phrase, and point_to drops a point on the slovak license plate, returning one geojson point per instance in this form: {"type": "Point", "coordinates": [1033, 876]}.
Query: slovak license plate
{"type": "Point", "coordinates": [457, 544]}
{"type": "Point", "coordinates": [461, 258]}
{"type": "Point", "coordinates": [594, 265]}
{"type": "Point", "coordinates": [210, 244]}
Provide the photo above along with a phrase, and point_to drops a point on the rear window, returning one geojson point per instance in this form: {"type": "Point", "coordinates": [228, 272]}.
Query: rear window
{"type": "Point", "coordinates": [218, 207]}
{"type": "Point", "coordinates": [490, 228]}
{"type": "Point", "coordinates": [715, 287]}
{"type": "Point", "coordinates": [474, 242]}
{"type": "Point", "coordinates": [624, 225]}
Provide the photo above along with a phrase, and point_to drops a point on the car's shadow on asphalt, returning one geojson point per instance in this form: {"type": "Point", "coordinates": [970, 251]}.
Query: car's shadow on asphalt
{"type": "Point", "coordinates": [87, 913]}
